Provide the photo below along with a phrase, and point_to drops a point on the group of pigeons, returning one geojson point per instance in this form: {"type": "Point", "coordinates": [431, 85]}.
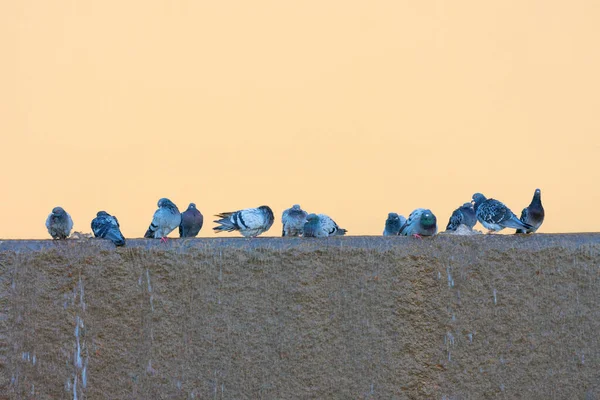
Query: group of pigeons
{"type": "Point", "coordinates": [251, 222]}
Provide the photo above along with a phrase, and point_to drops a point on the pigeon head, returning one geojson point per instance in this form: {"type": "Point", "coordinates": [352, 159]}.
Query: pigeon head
{"type": "Point", "coordinates": [467, 205]}
{"type": "Point", "coordinates": [58, 211]}
{"type": "Point", "coordinates": [538, 194]}
{"type": "Point", "coordinates": [478, 198]}
{"type": "Point", "coordinates": [102, 214]}
{"type": "Point", "coordinates": [191, 206]}
{"type": "Point", "coordinates": [312, 218]}
{"type": "Point", "coordinates": [164, 202]}
{"type": "Point", "coordinates": [296, 207]}
{"type": "Point", "coordinates": [428, 219]}
{"type": "Point", "coordinates": [393, 216]}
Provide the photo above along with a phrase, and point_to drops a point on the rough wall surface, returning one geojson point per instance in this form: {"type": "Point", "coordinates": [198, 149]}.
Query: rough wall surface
{"type": "Point", "coordinates": [396, 318]}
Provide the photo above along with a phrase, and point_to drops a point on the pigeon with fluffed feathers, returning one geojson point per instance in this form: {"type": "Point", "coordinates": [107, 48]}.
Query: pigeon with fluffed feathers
{"type": "Point", "coordinates": [420, 222]}
{"type": "Point", "coordinates": [533, 214]}
{"type": "Point", "coordinates": [494, 215]}
{"type": "Point", "coordinates": [107, 226]}
{"type": "Point", "coordinates": [293, 220]}
{"type": "Point", "coordinates": [321, 225]}
{"type": "Point", "coordinates": [59, 223]}
{"type": "Point", "coordinates": [463, 215]}
{"type": "Point", "coordinates": [164, 221]}
{"type": "Point", "coordinates": [191, 222]}
{"type": "Point", "coordinates": [250, 222]}
{"type": "Point", "coordinates": [393, 223]}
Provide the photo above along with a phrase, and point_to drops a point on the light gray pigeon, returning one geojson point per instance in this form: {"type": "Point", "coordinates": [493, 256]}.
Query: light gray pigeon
{"type": "Point", "coordinates": [250, 222]}
{"type": "Point", "coordinates": [293, 220]}
{"type": "Point", "coordinates": [191, 222]}
{"type": "Point", "coordinates": [534, 214]}
{"type": "Point", "coordinates": [494, 215]}
{"type": "Point", "coordinates": [420, 222]}
{"type": "Point", "coordinates": [106, 226]}
{"type": "Point", "coordinates": [59, 223]}
{"type": "Point", "coordinates": [464, 215]}
{"type": "Point", "coordinates": [322, 225]}
{"type": "Point", "coordinates": [393, 224]}
{"type": "Point", "coordinates": [165, 220]}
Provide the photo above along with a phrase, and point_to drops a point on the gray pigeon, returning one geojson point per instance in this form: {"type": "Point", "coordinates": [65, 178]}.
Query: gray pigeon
{"type": "Point", "coordinates": [322, 225]}
{"type": "Point", "coordinates": [494, 215]}
{"type": "Point", "coordinates": [464, 215]}
{"type": "Point", "coordinates": [250, 222]}
{"type": "Point", "coordinates": [191, 222]}
{"type": "Point", "coordinates": [393, 224]}
{"type": "Point", "coordinates": [59, 223]}
{"type": "Point", "coordinates": [420, 222]}
{"type": "Point", "coordinates": [534, 214]}
{"type": "Point", "coordinates": [293, 220]}
{"type": "Point", "coordinates": [107, 226]}
{"type": "Point", "coordinates": [164, 221]}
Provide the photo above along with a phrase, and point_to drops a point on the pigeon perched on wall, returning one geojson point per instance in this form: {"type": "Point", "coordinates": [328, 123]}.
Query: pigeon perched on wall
{"type": "Point", "coordinates": [420, 222]}
{"type": "Point", "coordinates": [59, 223]}
{"type": "Point", "coordinates": [191, 222]}
{"type": "Point", "coordinates": [495, 216]}
{"type": "Point", "coordinates": [107, 226]}
{"type": "Point", "coordinates": [463, 215]}
{"type": "Point", "coordinates": [533, 214]}
{"type": "Point", "coordinates": [165, 220]}
{"type": "Point", "coordinates": [250, 222]}
{"type": "Point", "coordinates": [293, 220]}
{"type": "Point", "coordinates": [393, 224]}
{"type": "Point", "coordinates": [322, 225]}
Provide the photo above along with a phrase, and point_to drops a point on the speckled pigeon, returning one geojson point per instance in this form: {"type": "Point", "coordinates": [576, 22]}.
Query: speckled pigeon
{"type": "Point", "coordinates": [420, 222]}
{"type": "Point", "coordinates": [59, 223]}
{"type": "Point", "coordinates": [322, 225]}
{"type": "Point", "coordinates": [191, 222]}
{"type": "Point", "coordinates": [534, 214]}
{"type": "Point", "coordinates": [293, 220]}
{"type": "Point", "coordinates": [106, 226]}
{"type": "Point", "coordinates": [250, 222]}
{"type": "Point", "coordinates": [165, 220]}
{"type": "Point", "coordinates": [393, 224]}
{"type": "Point", "coordinates": [494, 215]}
{"type": "Point", "coordinates": [464, 215]}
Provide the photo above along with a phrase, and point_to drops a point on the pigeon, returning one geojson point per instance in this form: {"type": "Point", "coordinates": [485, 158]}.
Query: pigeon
{"type": "Point", "coordinates": [165, 220]}
{"type": "Point", "coordinates": [293, 220]}
{"type": "Point", "coordinates": [420, 222]}
{"type": "Point", "coordinates": [191, 222]}
{"type": "Point", "coordinates": [322, 225]}
{"type": "Point", "coordinates": [464, 215]}
{"type": "Point", "coordinates": [534, 214]}
{"type": "Point", "coordinates": [59, 223]}
{"type": "Point", "coordinates": [250, 222]}
{"type": "Point", "coordinates": [495, 216]}
{"type": "Point", "coordinates": [393, 224]}
{"type": "Point", "coordinates": [107, 226]}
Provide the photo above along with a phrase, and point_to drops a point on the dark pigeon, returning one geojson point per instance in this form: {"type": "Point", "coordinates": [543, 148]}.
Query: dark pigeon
{"type": "Point", "coordinates": [59, 223]}
{"type": "Point", "coordinates": [393, 224]}
{"type": "Point", "coordinates": [533, 214]}
{"type": "Point", "coordinates": [464, 215]}
{"type": "Point", "coordinates": [322, 225]}
{"type": "Point", "coordinates": [420, 222]}
{"type": "Point", "coordinates": [250, 222]}
{"type": "Point", "coordinates": [107, 226]}
{"type": "Point", "coordinates": [495, 216]}
{"type": "Point", "coordinates": [191, 222]}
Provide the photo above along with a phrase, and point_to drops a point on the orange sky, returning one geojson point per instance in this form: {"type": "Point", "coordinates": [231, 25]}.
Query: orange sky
{"type": "Point", "coordinates": [350, 108]}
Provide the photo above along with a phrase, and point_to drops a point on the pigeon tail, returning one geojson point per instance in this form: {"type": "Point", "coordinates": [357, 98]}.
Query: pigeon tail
{"type": "Point", "coordinates": [226, 225]}
{"type": "Point", "coordinates": [341, 232]}
{"type": "Point", "coordinates": [515, 223]}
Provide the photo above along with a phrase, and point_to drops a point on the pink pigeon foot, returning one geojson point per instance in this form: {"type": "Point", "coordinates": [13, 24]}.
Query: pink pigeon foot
{"type": "Point", "coordinates": [163, 239]}
{"type": "Point", "coordinates": [417, 236]}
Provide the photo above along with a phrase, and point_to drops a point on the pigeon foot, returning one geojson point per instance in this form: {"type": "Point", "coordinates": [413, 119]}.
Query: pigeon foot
{"type": "Point", "coordinates": [163, 239]}
{"type": "Point", "coordinates": [417, 236]}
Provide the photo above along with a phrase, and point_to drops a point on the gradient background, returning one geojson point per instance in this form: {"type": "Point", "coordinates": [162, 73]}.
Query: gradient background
{"type": "Point", "coordinates": [350, 108]}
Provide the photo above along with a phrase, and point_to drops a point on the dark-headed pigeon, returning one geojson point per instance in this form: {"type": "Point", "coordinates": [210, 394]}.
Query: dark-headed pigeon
{"type": "Point", "coordinates": [420, 222]}
{"type": "Point", "coordinates": [191, 222]}
{"type": "Point", "coordinates": [250, 222]}
{"type": "Point", "coordinates": [293, 220]}
{"type": "Point", "coordinates": [393, 224]}
{"type": "Point", "coordinates": [165, 220]}
{"type": "Point", "coordinates": [534, 214]}
{"type": "Point", "coordinates": [59, 223]}
{"type": "Point", "coordinates": [107, 226]}
{"type": "Point", "coordinates": [464, 215]}
{"type": "Point", "coordinates": [494, 215]}
{"type": "Point", "coordinates": [322, 225]}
